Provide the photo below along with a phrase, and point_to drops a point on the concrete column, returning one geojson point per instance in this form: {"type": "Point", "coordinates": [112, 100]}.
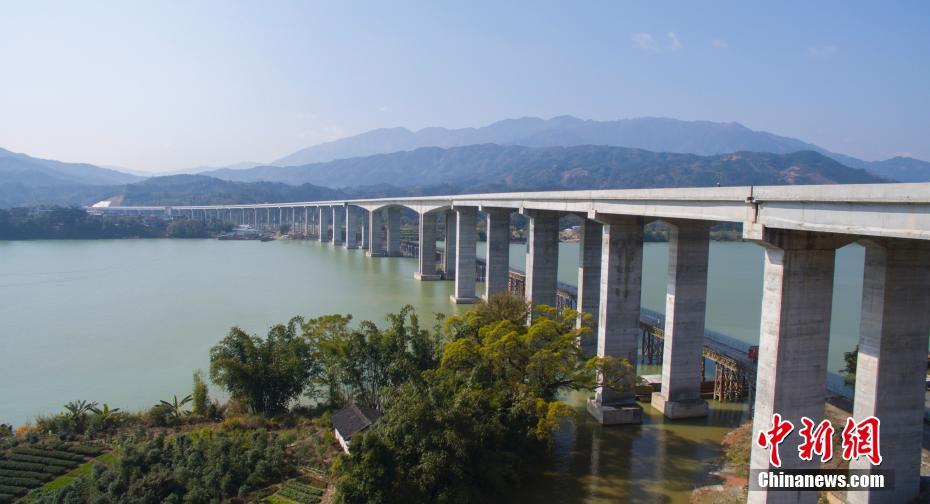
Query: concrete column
{"type": "Point", "coordinates": [466, 236]}
{"type": "Point", "coordinates": [891, 366]}
{"type": "Point", "coordinates": [307, 221]}
{"type": "Point", "coordinates": [618, 312]}
{"type": "Point", "coordinates": [325, 219]}
{"type": "Point", "coordinates": [352, 219]}
{"type": "Point", "coordinates": [589, 280]}
{"type": "Point", "coordinates": [448, 262]}
{"type": "Point", "coordinates": [393, 231]}
{"type": "Point", "coordinates": [339, 215]}
{"type": "Point", "coordinates": [542, 257]}
{"type": "Point", "coordinates": [791, 374]}
{"type": "Point", "coordinates": [426, 269]}
{"type": "Point", "coordinates": [364, 217]}
{"type": "Point", "coordinates": [497, 252]}
{"type": "Point", "coordinates": [376, 233]}
{"type": "Point", "coordinates": [685, 306]}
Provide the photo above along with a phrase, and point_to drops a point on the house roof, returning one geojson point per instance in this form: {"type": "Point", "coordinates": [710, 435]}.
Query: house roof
{"type": "Point", "coordinates": [354, 418]}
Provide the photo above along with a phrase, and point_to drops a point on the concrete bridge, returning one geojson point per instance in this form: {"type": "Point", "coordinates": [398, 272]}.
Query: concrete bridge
{"type": "Point", "coordinates": [799, 227]}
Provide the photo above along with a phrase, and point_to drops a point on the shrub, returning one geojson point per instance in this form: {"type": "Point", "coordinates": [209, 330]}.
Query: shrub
{"type": "Point", "coordinates": [48, 461]}
{"type": "Point", "coordinates": [244, 423]}
{"type": "Point", "coordinates": [13, 490]}
{"type": "Point", "coordinates": [87, 450]}
{"type": "Point", "coordinates": [26, 450]}
{"type": "Point", "coordinates": [20, 482]}
{"type": "Point", "coordinates": [30, 466]}
{"type": "Point", "coordinates": [160, 416]}
{"type": "Point", "coordinates": [13, 473]}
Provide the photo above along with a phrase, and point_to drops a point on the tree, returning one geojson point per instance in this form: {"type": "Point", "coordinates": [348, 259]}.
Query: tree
{"type": "Point", "coordinates": [267, 375]}
{"type": "Point", "coordinates": [76, 413]}
{"type": "Point", "coordinates": [106, 418]}
{"type": "Point", "coordinates": [201, 397]}
{"type": "Point", "coordinates": [361, 365]}
{"type": "Point", "coordinates": [850, 358]}
{"type": "Point", "coordinates": [462, 430]}
{"type": "Point", "coordinates": [176, 406]}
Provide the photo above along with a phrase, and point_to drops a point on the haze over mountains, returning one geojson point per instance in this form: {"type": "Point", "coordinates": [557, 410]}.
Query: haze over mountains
{"type": "Point", "coordinates": [514, 154]}
{"type": "Point", "coordinates": [649, 133]}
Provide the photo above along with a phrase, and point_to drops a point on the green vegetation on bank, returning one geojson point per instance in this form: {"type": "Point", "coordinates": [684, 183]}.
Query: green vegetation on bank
{"type": "Point", "coordinates": [74, 223]}
{"type": "Point", "coordinates": [465, 404]}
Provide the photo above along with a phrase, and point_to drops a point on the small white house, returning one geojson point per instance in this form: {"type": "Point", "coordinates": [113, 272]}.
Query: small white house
{"type": "Point", "coordinates": [350, 420]}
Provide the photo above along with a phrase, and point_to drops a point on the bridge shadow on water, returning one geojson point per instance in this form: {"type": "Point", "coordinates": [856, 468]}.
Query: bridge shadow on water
{"type": "Point", "coordinates": [659, 461]}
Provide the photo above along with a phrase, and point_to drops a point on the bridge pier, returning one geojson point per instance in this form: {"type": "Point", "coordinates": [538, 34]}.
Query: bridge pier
{"type": "Point", "coordinates": [426, 269]}
{"type": "Point", "coordinates": [685, 306]}
{"type": "Point", "coordinates": [589, 280]}
{"type": "Point", "coordinates": [376, 233]}
{"type": "Point", "coordinates": [448, 256]}
{"type": "Point", "coordinates": [325, 219]}
{"type": "Point", "coordinates": [393, 231]}
{"type": "Point", "coordinates": [352, 218]}
{"type": "Point", "coordinates": [364, 215]}
{"type": "Point", "coordinates": [619, 313]}
{"type": "Point", "coordinates": [795, 331]}
{"type": "Point", "coordinates": [542, 257]}
{"type": "Point", "coordinates": [339, 215]}
{"type": "Point", "coordinates": [466, 236]}
{"type": "Point", "coordinates": [497, 252]}
{"type": "Point", "coordinates": [891, 366]}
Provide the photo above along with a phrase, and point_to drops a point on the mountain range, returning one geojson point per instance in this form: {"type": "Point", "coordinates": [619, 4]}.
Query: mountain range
{"type": "Point", "coordinates": [511, 167]}
{"type": "Point", "coordinates": [654, 134]}
{"type": "Point", "coordinates": [514, 154]}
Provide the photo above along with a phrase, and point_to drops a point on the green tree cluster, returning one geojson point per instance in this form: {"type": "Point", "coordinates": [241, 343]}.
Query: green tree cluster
{"type": "Point", "coordinates": [462, 431]}
{"type": "Point", "coordinates": [73, 223]}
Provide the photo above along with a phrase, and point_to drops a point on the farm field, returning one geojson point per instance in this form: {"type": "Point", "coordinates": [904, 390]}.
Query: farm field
{"type": "Point", "coordinates": [25, 468]}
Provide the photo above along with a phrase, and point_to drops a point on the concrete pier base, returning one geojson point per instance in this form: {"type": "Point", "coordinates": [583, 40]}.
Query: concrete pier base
{"type": "Point", "coordinates": [426, 278]}
{"type": "Point", "coordinates": [463, 300]}
{"type": "Point", "coordinates": [691, 408]}
{"type": "Point", "coordinates": [615, 414]}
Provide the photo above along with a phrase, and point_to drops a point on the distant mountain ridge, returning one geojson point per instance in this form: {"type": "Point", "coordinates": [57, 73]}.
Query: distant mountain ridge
{"type": "Point", "coordinates": [34, 172]}
{"type": "Point", "coordinates": [654, 134]}
{"type": "Point", "coordinates": [511, 167]}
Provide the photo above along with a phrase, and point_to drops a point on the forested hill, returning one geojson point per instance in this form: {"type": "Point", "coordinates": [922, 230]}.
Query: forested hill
{"type": "Point", "coordinates": [490, 166]}
{"type": "Point", "coordinates": [202, 190]}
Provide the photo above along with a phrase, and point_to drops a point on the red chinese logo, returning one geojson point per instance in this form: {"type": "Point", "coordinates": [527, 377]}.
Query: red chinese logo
{"type": "Point", "coordinates": [861, 439]}
{"type": "Point", "coordinates": [817, 440]}
{"type": "Point", "coordinates": [774, 437]}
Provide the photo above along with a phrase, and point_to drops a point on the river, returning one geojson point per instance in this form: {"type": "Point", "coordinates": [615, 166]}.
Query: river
{"type": "Point", "coordinates": [126, 322]}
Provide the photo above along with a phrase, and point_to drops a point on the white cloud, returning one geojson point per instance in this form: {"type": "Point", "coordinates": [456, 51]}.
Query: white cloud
{"type": "Point", "coordinates": [647, 42]}
{"type": "Point", "coordinates": [719, 44]}
{"type": "Point", "coordinates": [644, 41]}
{"type": "Point", "coordinates": [824, 51]}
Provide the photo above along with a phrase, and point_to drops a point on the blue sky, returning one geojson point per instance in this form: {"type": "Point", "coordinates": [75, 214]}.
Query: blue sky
{"type": "Point", "coordinates": [159, 86]}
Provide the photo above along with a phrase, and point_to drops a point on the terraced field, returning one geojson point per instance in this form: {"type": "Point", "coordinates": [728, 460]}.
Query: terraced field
{"type": "Point", "coordinates": [297, 491]}
{"type": "Point", "coordinates": [30, 466]}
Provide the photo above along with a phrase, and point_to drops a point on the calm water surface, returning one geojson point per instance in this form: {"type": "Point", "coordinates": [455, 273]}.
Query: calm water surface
{"type": "Point", "coordinates": [127, 321]}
